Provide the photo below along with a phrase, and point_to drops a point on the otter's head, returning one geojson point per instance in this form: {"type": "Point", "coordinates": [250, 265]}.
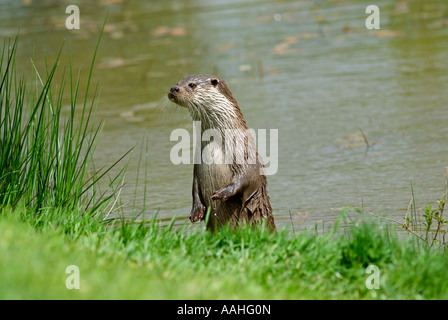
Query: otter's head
{"type": "Point", "coordinates": [204, 93]}
{"type": "Point", "coordinates": [195, 89]}
{"type": "Point", "coordinates": [209, 100]}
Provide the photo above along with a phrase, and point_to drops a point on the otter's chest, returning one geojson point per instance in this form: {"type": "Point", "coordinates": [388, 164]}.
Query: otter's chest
{"type": "Point", "coordinates": [213, 172]}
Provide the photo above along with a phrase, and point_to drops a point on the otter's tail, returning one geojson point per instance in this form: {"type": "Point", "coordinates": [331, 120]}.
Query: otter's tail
{"type": "Point", "coordinates": [258, 208]}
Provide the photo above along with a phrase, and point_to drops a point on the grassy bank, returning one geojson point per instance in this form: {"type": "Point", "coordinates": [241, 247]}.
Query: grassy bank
{"type": "Point", "coordinates": [53, 215]}
{"type": "Point", "coordinates": [147, 262]}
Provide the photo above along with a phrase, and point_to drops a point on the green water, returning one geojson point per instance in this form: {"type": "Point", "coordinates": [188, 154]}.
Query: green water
{"type": "Point", "coordinates": [310, 69]}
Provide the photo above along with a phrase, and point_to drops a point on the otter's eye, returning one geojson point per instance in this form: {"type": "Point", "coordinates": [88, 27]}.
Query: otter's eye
{"type": "Point", "coordinates": [192, 85]}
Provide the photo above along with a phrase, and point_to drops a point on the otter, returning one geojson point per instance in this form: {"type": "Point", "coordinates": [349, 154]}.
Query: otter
{"type": "Point", "coordinates": [234, 191]}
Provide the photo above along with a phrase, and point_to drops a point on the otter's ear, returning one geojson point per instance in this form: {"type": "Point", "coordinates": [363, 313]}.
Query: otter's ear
{"type": "Point", "coordinates": [214, 81]}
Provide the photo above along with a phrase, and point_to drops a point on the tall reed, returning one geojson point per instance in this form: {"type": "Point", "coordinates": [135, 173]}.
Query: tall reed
{"type": "Point", "coordinates": [46, 159]}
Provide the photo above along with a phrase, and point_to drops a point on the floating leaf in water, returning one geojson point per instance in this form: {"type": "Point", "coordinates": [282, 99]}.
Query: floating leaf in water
{"type": "Point", "coordinates": [308, 35]}
{"type": "Point", "coordinates": [388, 33]}
{"type": "Point", "coordinates": [114, 63]}
{"type": "Point", "coordinates": [131, 117]}
{"type": "Point", "coordinates": [244, 67]}
{"type": "Point", "coordinates": [401, 7]}
{"type": "Point", "coordinates": [178, 31]}
{"type": "Point", "coordinates": [110, 2]}
{"type": "Point", "coordinates": [160, 31]}
{"type": "Point", "coordinates": [284, 47]}
{"type": "Point", "coordinates": [226, 46]}
{"type": "Point", "coordinates": [165, 30]}
{"type": "Point", "coordinates": [116, 30]}
{"type": "Point", "coordinates": [302, 214]}
{"type": "Point", "coordinates": [110, 27]}
{"type": "Point", "coordinates": [117, 35]}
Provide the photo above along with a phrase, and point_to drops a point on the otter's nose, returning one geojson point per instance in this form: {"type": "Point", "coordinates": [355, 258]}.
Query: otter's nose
{"type": "Point", "coordinates": [174, 89]}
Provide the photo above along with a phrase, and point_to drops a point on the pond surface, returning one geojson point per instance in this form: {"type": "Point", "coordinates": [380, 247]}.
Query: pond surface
{"type": "Point", "coordinates": [310, 69]}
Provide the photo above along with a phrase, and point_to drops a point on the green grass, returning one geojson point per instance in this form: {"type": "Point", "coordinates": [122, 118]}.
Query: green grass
{"type": "Point", "coordinates": [145, 261]}
{"type": "Point", "coordinates": [52, 215]}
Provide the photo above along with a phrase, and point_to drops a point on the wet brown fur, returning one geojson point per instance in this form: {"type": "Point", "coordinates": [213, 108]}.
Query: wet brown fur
{"type": "Point", "coordinates": [235, 193]}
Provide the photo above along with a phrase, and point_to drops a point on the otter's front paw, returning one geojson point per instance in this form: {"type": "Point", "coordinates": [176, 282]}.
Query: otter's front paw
{"type": "Point", "coordinates": [224, 193]}
{"type": "Point", "coordinates": [197, 212]}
